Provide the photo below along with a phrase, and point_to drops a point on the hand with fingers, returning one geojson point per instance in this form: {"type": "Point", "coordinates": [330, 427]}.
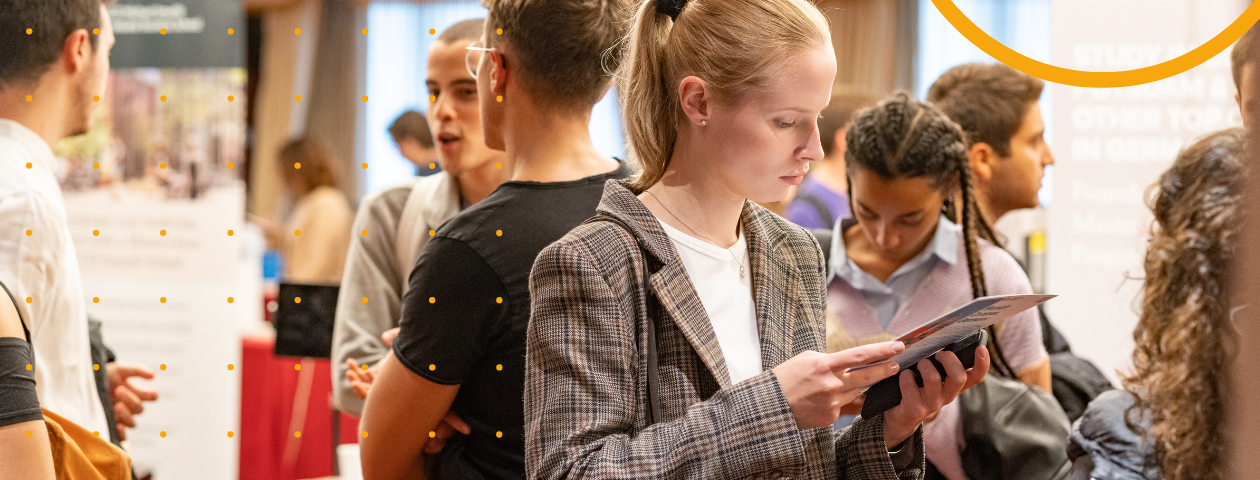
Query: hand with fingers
{"type": "Point", "coordinates": [818, 385]}
{"type": "Point", "coordinates": [128, 399]}
{"type": "Point", "coordinates": [361, 379]}
{"type": "Point", "coordinates": [919, 404]}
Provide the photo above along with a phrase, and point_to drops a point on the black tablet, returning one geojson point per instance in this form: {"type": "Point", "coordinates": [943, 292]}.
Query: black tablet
{"type": "Point", "coordinates": [304, 320]}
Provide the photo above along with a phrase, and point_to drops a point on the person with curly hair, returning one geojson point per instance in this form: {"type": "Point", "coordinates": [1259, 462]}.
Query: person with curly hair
{"type": "Point", "coordinates": [1168, 422]}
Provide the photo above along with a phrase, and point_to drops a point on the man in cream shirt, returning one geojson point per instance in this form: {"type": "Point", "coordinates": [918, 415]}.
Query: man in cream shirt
{"type": "Point", "coordinates": [48, 79]}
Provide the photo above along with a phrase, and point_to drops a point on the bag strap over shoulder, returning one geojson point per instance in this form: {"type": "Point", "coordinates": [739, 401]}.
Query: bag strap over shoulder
{"type": "Point", "coordinates": [653, 365]}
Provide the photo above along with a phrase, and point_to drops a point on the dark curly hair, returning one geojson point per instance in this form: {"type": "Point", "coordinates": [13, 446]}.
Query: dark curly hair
{"type": "Point", "coordinates": [1184, 334]}
{"type": "Point", "coordinates": [904, 138]}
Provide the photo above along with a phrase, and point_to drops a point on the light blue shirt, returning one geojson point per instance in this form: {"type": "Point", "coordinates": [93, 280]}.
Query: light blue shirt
{"type": "Point", "coordinates": [886, 298]}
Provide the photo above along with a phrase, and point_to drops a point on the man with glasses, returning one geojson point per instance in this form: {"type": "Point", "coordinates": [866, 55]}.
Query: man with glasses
{"type": "Point", "coordinates": [399, 220]}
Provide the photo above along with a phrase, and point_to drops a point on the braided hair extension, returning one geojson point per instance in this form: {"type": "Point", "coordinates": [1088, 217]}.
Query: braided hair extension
{"type": "Point", "coordinates": [904, 138]}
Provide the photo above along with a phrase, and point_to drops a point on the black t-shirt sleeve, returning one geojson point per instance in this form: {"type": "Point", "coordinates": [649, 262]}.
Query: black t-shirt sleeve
{"type": "Point", "coordinates": [18, 402]}
{"type": "Point", "coordinates": [454, 308]}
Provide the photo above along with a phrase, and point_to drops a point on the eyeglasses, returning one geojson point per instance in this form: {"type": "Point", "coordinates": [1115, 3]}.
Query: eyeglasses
{"type": "Point", "coordinates": [472, 57]}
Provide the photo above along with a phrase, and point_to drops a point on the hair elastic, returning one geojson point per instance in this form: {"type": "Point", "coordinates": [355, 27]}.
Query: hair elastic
{"type": "Point", "coordinates": [670, 7]}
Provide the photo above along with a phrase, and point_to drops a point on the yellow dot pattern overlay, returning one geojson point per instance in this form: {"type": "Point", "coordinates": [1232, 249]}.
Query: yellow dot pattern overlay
{"type": "Point", "coordinates": [498, 299]}
{"type": "Point", "coordinates": [230, 233]}
{"type": "Point", "coordinates": [432, 434]}
{"type": "Point", "coordinates": [96, 367]}
{"type": "Point", "coordinates": [364, 367]}
{"type": "Point", "coordinates": [162, 233]}
{"type": "Point", "coordinates": [498, 98]}
{"type": "Point", "coordinates": [297, 434]}
{"type": "Point", "coordinates": [432, 300]}
{"type": "Point", "coordinates": [96, 31]}
{"type": "Point", "coordinates": [432, 367]}
{"type": "Point", "coordinates": [499, 165]}
{"type": "Point", "coordinates": [364, 434]}
{"type": "Point", "coordinates": [297, 299]}
{"type": "Point", "coordinates": [498, 434]}
{"type": "Point", "coordinates": [498, 31]}
{"type": "Point", "coordinates": [499, 367]}
{"type": "Point", "coordinates": [231, 367]}
{"type": "Point", "coordinates": [29, 232]}
{"type": "Point", "coordinates": [29, 31]}
{"type": "Point", "coordinates": [163, 299]}
{"type": "Point", "coordinates": [365, 98]}
{"type": "Point", "coordinates": [364, 299]}
{"type": "Point", "coordinates": [432, 232]}
{"type": "Point", "coordinates": [364, 165]}
{"type": "Point", "coordinates": [162, 31]}
{"type": "Point", "coordinates": [29, 434]}
{"type": "Point", "coordinates": [231, 31]}
{"type": "Point", "coordinates": [162, 367]}
{"type": "Point", "coordinates": [230, 434]}
{"type": "Point", "coordinates": [364, 233]}
{"type": "Point", "coordinates": [297, 233]}
{"type": "Point", "coordinates": [28, 164]}
{"type": "Point", "coordinates": [28, 100]}
{"type": "Point", "coordinates": [162, 98]}
{"type": "Point", "coordinates": [432, 98]}
{"type": "Point", "coordinates": [297, 31]}
{"type": "Point", "coordinates": [29, 299]}
{"type": "Point", "coordinates": [96, 98]}
{"type": "Point", "coordinates": [96, 299]}
{"type": "Point", "coordinates": [297, 366]}
{"type": "Point", "coordinates": [432, 31]}
{"type": "Point", "coordinates": [297, 98]}
{"type": "Point", "coordinates": [365, 33]}
{"type": "Point", "coordinates": [297, 165]}
{"type": "Point", "coordinates": [230, 98]}
{"type": "Point", "coordinates": [96, 433]}
{"type": "Point", "coordinates": [162, 165]}
{"type": "Point", "coordinates": [498, 233]}
{"type": "Point", "coordinates": [29, 367]}
{"type": "Point", "coordinates": [163, 434]}
{"type": "Point", "coordinates": [230, 299]}
{"type": "Point", "coordinates": [231, 165]}
{"type": "Point", "coordinates": [96, 165]}
{"type": "Point", "coordinates": [432, 165]}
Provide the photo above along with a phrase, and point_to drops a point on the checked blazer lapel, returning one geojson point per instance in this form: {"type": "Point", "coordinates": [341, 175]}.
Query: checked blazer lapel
{"type": "Point", "coordinates": [776, 286]}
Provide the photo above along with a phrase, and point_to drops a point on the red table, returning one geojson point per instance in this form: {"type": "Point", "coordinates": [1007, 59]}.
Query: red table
{"type": "Point", "coordinates": [278, 400]}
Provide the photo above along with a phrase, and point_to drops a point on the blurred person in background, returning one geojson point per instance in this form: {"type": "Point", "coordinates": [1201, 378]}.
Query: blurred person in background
{"type": "Point", "coordinates": [399, 219]}
{"type": "Point", "coordinates": [414, 140]}
{"type": "Point", "coordinates": [1243, 61]}
{"type": "Point", "coordinates": [48, 79]}
{"type": "Point", "coordinates": [821, 198]}
{"type": "Point", "coordinates": [1169, 420]}
{"type": "Point", "coordinates": [314, 240]}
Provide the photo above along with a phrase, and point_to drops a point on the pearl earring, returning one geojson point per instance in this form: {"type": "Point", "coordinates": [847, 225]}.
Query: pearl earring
{"type": "Point", "coordinates": [704, 122]}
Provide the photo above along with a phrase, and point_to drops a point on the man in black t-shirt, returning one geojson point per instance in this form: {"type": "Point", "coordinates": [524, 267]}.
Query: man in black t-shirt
{"type": "Point", "coordinates": [461, 348]}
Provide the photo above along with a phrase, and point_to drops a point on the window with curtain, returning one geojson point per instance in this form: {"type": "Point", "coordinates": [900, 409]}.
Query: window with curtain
{"type": "Point", "coordinates": [397, 56]}
{"type": "Point", "coordinates": [1022, 25]}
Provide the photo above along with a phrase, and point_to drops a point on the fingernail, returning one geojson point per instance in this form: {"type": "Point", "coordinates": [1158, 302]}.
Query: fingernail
{"type": "Point", "coordinates": [893, 367]}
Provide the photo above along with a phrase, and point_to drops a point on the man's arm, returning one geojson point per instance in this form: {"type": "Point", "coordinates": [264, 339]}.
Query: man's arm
{"type": "Point", "coordinates": [449, 313]}
{"type": "Point", "coordinates": [397, 418]}
{"type": "Point", "coordinates": [371, 272]}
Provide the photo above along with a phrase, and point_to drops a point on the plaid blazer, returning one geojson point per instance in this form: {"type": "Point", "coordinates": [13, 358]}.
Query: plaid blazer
{"type": "Point", "coordinates": [586, 394]}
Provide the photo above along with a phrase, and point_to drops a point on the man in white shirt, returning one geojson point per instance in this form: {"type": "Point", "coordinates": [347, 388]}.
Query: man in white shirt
{"type": "Point", "coordinates": [53, 70]}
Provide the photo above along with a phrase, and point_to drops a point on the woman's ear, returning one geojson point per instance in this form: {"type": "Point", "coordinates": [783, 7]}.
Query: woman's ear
{"type": "Point", "coordinates": [695, 96]}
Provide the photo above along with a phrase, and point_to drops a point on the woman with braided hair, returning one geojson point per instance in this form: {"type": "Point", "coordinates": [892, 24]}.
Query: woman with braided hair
{"type": "Point", "coordinates": [917, 247]}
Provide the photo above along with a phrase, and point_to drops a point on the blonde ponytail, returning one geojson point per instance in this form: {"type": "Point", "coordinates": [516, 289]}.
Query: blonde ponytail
{"type": "Point", "coordinates": [733, 45]}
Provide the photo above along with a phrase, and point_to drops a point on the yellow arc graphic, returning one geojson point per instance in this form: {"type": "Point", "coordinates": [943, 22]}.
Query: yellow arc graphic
{"type": "Point", "coordinates": [1080, 78]}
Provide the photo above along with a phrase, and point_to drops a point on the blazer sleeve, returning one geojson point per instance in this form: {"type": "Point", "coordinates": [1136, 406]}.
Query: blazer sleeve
{"type": "Point", "coordinates": [584, 395]}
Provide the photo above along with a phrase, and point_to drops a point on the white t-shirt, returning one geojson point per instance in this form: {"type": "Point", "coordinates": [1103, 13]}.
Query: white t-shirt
{"type": "Point", "coordinates": [726, 297]}
{"type": "Point", "coordinates": [45, 267]}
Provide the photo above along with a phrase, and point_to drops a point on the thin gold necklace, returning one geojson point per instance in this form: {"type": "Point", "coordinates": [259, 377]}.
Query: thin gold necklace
{"type": "Point", "coordinates": [697, 232]}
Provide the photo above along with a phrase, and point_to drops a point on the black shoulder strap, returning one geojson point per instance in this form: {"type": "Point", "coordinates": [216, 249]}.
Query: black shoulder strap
{"type": "Point", "coordinates": [25, 331]}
